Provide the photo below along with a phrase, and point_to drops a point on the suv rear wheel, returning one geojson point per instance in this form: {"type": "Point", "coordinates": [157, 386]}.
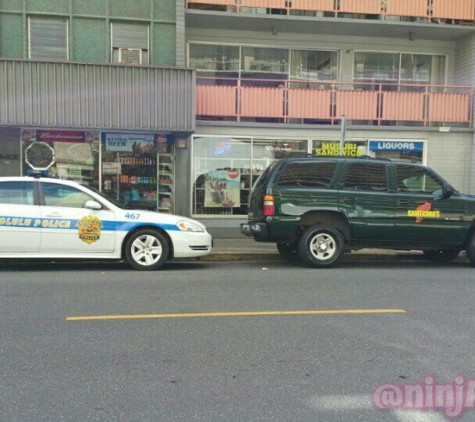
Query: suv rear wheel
{"type": "Point", "coordinates": [321, 246]}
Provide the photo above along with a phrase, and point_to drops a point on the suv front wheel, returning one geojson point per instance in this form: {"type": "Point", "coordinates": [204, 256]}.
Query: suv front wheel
{"type": "Point", "coordinates": [321, 246]}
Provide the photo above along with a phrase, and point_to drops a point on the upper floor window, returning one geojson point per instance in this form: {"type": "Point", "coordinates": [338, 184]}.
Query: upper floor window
{"type": "Point", "coordinates": [310, 64]}
{"type": "Point", "coordinates": [399, 68]}
{"type": "Point", "coordinates": [130, 43]}
{"type": "Point", "coordinates": [48, 38]}
{"type": "Point", "coordinates": [262, 63]}
{"type": "Point", "coordinates": [215, 60]}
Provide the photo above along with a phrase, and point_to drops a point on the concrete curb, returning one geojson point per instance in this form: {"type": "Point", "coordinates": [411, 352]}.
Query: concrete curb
{"type": "Point", "coordinates": [354, 256]}
{"type": "Point", "coordinates": [241, 256]}
{"type": "Point", "coordinates": [272, 256]}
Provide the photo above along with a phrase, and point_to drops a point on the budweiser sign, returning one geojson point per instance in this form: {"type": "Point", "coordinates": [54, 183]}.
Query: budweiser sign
{"type": "Point", "coordinates": [60, 136]}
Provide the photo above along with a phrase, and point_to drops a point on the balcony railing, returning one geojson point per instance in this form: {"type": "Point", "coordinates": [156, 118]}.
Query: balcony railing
{"type": "Point", "coordinates": [450, 11]}
{"type": "Point", "coordinates": [323, 102]}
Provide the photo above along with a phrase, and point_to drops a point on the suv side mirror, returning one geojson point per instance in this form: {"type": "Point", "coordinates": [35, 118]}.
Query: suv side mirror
{"type": "Point", "coordinates": [447, 191]}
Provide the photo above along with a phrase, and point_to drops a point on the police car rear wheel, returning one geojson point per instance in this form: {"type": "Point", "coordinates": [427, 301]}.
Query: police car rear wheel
{"type": "Point", "coordinates": [147, 250]}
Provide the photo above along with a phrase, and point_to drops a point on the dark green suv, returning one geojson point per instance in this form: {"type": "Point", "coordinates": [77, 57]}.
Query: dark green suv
{"type": "Point", "coordinates": [315, 208]}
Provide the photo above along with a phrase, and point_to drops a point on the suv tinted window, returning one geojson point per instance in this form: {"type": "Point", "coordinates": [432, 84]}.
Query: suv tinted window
{"type": "Point", "coordinates": [367, 177]}
{"type": "Point", "coordinates": [310, 175]}
{"type": "Point", "coordinates": [18, 193]}
{"type": "Point", "coordinates": [417, 180]}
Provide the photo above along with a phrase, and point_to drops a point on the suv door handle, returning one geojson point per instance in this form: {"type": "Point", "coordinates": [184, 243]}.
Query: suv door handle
{"type": "Point", "coordinates": [403, 202]}
{"type": "Point", "coordinates": [350, 200]}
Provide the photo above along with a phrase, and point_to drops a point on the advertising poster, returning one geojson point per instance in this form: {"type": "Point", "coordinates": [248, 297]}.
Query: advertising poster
{"type": "Point", "coordinates": [222, 188]}
{"type": "Point", "coordinates": [127, 142]}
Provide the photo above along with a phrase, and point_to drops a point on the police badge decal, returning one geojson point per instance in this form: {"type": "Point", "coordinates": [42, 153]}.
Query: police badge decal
{"type": "Point", "coordinates": [89, 229]}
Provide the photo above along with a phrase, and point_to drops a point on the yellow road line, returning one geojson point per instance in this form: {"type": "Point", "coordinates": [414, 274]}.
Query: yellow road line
{"type": "Point", "coordinates": [233, 314]}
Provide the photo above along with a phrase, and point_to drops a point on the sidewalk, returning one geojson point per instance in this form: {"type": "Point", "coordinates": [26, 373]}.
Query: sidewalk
{"type": "Point", "coordinates": [247, 249]}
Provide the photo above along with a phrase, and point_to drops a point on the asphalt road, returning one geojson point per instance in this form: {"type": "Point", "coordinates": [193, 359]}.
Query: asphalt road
{"type": "Point", "coordinates": [231, 341]}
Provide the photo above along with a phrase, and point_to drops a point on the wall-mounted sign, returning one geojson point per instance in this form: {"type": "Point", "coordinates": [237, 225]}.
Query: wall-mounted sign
{"type": "Point", "coordinates": [59, 136]}
{"type": "Point", "coordinates": [382, 145]}
{"type": "Point", "coordinates": [350, 149]}
{"type": "Point", "coordinates": [126, 142]}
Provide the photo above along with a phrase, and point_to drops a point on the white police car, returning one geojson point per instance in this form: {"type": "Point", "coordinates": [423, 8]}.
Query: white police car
{"type": "Point", "coordinates": [53, 218]}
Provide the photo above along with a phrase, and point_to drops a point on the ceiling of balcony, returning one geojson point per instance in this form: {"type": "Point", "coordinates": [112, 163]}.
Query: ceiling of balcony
{"type": "Point", "coordinates": [329, 26]}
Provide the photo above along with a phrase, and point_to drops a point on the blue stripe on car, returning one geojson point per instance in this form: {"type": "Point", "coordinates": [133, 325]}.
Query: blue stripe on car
{"type": "Point", "coordinates": [60, 223]}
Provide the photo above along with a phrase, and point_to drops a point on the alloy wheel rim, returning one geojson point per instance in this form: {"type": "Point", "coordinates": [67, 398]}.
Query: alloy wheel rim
{"type": "Point", "coordinates": [323, 246]}
{"type": "Point", "coordinates": [146, 250]}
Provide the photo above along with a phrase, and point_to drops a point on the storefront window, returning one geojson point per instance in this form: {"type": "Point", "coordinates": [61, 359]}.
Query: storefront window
{"type": "Point", "coordinates": [221, 168]}
{"type": "Point", "coordinates": [10, 153]}
{"type": "Point", "coordinates": [76, 154]}
{"type": "Point", "coordinates": [226, 168]}
{"type": "Point", "coordinates": [138, 170]}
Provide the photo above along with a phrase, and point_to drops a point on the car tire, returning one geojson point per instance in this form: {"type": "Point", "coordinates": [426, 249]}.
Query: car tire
{"type": "Point", "coordinates": [147, 250]}
{"type": "Point", "coordinates": [288, 251]}
{"type": "Point", "coordinates": [441, 255]}
{"type": "Point", "coordinates": [321, 246]}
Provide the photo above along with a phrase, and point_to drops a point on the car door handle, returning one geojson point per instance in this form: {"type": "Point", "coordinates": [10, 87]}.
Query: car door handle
{"type": "Point", "coordinates": [350, 200]}
{"type": "Point", "coordinates": [54, 215]}
{"type": "Point", "coordinates": [403, 202]}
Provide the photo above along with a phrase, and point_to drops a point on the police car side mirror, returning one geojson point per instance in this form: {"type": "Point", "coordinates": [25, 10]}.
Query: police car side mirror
{"type": "Point", "coordinates": [93, 205]}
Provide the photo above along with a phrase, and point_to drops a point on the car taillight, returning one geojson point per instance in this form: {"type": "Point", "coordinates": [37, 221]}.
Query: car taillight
{"type": "Point", "coordinates": [268, 205]}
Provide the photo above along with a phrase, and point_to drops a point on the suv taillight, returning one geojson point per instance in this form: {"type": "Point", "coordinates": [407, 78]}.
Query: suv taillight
{"type": "Point", "coordinates": [269, 205]}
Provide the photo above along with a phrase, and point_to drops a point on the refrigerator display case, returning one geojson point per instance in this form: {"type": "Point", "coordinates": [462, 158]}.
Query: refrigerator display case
{"type": "Point", "coordinates": [142, 180]}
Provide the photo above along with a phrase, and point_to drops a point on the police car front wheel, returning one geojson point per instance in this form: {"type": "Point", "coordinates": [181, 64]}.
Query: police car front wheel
{"type": "Point", "coordinates": [147, 250]}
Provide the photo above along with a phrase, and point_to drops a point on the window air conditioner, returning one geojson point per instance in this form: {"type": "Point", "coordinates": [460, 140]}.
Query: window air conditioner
{"type": "Point", "coordinates": [130, 55]}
